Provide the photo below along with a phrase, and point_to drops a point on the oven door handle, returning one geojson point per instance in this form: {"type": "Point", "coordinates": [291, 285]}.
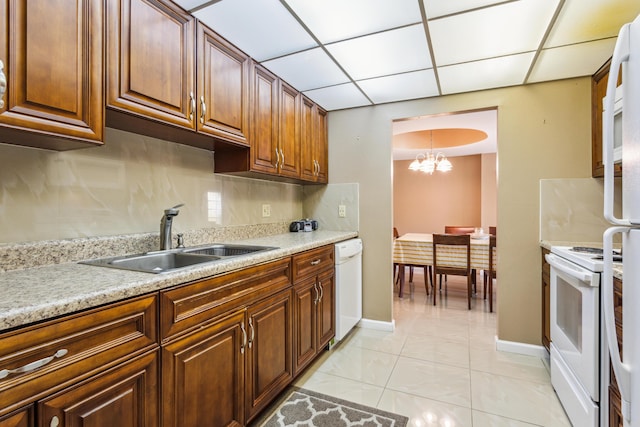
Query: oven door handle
{"type": "Point", "coordinates": [583, 276]}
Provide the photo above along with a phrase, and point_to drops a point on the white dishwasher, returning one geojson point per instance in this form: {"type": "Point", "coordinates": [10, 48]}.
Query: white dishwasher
{"type": "Point", "coordinates": [348, 258]}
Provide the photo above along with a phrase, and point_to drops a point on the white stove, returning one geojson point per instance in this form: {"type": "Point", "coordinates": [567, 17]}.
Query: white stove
{"type": "Point", "coordinates": [586, 257]}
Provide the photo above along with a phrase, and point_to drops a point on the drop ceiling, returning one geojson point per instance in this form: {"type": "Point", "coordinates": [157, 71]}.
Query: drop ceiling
{"type": "Point", "coordinates": [352, 53]}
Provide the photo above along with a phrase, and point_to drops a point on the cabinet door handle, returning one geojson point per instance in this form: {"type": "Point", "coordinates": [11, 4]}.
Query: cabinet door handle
{"type": "Point", "coordinates": [3, 84]}
{"type": "Point", "coordinates": [244, 337]}
{"type": "Point", "coordinates": [282, 161]}
{"type": "Point", "coordinates": [203, 109]}
{"type": "Point", "coordinates": [277, 157]}
{"type": "Point", "coordinates": [55, 422]}
{"type": "Point", "coordinates": [321, 290]}
{"type": "Point", "coordinates": [252, 332]}
{"type": "Point", "coordinates": [192, 100]}
{"type": "Point", "coordinates": [33, 365]}
{"type": "Point", "coordinates": [316, 167]}
{"type": "Point", "coordinates": [315, 288]}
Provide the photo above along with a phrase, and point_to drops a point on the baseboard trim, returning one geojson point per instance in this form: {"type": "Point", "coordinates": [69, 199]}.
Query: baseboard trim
{"type": "Point", "coordinates": [521, 348]}
{"type": "Point", "coordinates": [377, 325]}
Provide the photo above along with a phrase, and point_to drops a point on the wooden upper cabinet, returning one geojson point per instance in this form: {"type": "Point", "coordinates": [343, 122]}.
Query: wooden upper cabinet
{"type": "Point", "coordinates": [288, 131]}
{"type": "Point", "coordinates": [313, 131]}
{"type": "Point", "coordinates": [264, 90]}
{"type": "Point", "coordinates": [151, 60]}
{"type": "Point", "coordinates": [223, 88]}
{"type": "Point", "coordinates": [598, 92]}
{"type": "Point", "coordinates": [321, 146]}
{"type": "Point", "coordinates": [52, 57]}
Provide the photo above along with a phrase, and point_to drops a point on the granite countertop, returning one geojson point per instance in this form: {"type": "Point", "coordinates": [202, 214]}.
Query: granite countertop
{"type": "Point", "coordinates": [36, 294]}
{"type": "Point", "coordinates": [617, 266]}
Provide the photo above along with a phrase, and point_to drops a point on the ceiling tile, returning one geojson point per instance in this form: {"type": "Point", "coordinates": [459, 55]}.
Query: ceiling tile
{"type": "Point", "coordinates": [441, 8]}
{"type": "Point", "coordinates": [263, 29]}
{"type": "Point", "coordinates": [499, 30]}
{"type": "Point", "coordinates": [418, 84]}
{"type": "Point", "coordinates": [586, 20]}
{"type": "Point", "coordinates": [338, 97]}
{"type": "Point", "coordinates": [296, 70]}
{"type": "Point", "coordinates": [380, 54]}
{"type": "Point", "coordinates": [497, 72]}
{"type": "Point", "coordinates": [582, 59]}
{"type": "Point", "coordinates": [333, 20]}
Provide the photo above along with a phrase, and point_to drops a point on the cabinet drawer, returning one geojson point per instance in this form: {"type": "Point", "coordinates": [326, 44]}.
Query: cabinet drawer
{"type": "Point", "coordinates": [190, 306]}
{"type": "Point", "coordinates": [313, 261]}
{"type": "Point", "coordinates": [85, 344]}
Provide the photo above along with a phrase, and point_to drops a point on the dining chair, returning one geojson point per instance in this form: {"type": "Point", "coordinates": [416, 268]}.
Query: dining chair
{"type": "Point", "coordinates": [493, 230]}
{"type": "Point", "coordinates": [445, 263]}
{"type": "Point", "coordinates": [491, 273]}
{"type": "Point", "coordinates": [459, 229]}
{"type": "Point", "coordinates": [397, 272]}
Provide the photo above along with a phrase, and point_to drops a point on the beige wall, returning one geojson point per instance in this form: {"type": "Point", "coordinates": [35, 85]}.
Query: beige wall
{"type": "Point", "coordinates": [544, 131]}
{"type": "Point", "coordinates": [424, 203]}
{"type": "Point", "coordinates": [489, 199]}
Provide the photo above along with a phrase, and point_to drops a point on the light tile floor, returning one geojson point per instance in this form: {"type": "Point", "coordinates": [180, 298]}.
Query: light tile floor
{"type": "Point", "coordinates": [439, 368]}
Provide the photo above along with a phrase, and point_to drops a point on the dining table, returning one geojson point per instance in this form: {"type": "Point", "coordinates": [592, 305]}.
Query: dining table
{"type": "Point", "coordinates": [416, 249]}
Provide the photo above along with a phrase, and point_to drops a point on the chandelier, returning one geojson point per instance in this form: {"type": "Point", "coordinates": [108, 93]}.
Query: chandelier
{"type": "Point", "coordinates": [428, 163]}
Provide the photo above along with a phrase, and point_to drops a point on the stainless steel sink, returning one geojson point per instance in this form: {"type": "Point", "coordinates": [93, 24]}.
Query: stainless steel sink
{"type": "Point", "coordinates": [176, 259]}
{"type": "Point", "coordinates": [223, 250]}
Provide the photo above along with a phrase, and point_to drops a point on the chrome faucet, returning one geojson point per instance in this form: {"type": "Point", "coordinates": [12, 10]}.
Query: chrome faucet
{"type": "Point", "coordinates": [165, 226]}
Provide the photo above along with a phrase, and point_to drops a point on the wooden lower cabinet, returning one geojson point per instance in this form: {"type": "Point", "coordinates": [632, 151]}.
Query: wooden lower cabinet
{"type": "Point", "coordinates": [546, 301]}
{"type": "Point", "coordinates": [125, 396]}
{"type": "Point", "coordinates": [203, 376]}
{"type": "Point", "coordinates": [21, 418]}
{"type": "Point", "coordinates": [314, 305]}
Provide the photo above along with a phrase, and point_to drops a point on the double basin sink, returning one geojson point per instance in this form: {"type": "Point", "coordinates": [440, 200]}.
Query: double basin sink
{"type": "Point", "coordinates": [177, 259]}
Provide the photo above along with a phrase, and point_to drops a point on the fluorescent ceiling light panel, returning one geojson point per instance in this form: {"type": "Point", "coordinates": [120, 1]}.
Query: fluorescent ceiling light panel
{"type": "Point", "coordinates": [419, 84]}
{"type": "Point", "coordinates": [486, 74]}
{"type": "Point", "coordinates": [497, 31]}
{"type": "Point", "coordinates": [338, 97]}
{"type": "Point", "coordinates": [306, 70]}
{"type": "Point", "coordinates": [582, 59]}
{"type": "Point", "coordinates": [390, 52]}
{"type": "Point", "coordinates": [264, 29]}
{"type": "Point", "coordinates": [591, 20]}
{"type": "Point", "coordinates": [440, 8]}
{"type": "Point", "coordinates": [333, 20]}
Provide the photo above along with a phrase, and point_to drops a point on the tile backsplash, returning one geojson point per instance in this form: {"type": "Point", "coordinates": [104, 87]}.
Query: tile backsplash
{"type": "Point", "coordinates": [124, 186]}
{"type": "Point", "coordinates": [571, 210]}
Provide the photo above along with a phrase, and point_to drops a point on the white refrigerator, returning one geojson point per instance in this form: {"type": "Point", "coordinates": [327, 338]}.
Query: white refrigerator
{"type": "Point", "coordinates": [622, 121]}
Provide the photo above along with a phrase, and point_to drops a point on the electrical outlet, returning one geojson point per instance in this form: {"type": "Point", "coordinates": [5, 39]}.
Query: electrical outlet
{"type": "Point", "coordinates": [342, 211]}
{"type": "Point", "coordinates": [266, 211]}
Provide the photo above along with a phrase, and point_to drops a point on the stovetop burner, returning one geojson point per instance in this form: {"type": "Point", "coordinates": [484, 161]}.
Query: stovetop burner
{"type": "Point", "coordinates": [587, 250]}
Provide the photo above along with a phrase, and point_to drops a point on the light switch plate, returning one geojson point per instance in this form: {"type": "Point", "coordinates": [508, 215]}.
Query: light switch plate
{"type": "Point", "coordinates": [266, 211]}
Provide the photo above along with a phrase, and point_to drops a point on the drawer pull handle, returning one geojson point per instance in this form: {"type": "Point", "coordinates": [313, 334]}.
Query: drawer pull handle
{"type": "Point", "coordinates": [315, 262]}
{"type": "Point", "coordinates": [33, 365]}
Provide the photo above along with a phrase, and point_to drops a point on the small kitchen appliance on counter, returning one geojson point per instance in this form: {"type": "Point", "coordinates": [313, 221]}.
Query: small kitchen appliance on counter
{"type": "Point", "coordinates": [303, 225]}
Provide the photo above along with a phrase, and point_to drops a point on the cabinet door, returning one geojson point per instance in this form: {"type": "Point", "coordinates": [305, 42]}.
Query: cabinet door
{"type": "Point", "coordinates": [305, 299]}
{"type": "Point", "coordinates": [223, 88]}
{"type": "Point", "coordinates": [151, 60]}
{"type": "Point", "coordinates": [270, 367]}
{"type": "Point", "coordinates": [264, 121]}
{"type": "Point", "coordinates": [326, 308]}
{"type": "Point", "coordinates": [203, 376]}
{"type": "Point", "coordinates": [52, 55]}
{"type": "Point", "coordinates": [22, 418]}
{"type": "Point", "coordinates": [308, 166]}
{"type": "Point", "coordinates": [546, 301]}
{"type": "Point", "coordinates": [126, 396]}
{"type": "Point", "coordinates": [289, 131]}
{"type": "Point", "coordinates": [321, 146]}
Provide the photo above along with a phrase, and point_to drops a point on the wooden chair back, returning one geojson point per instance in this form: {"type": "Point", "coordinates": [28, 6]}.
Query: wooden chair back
{"type": "Point", "coordinates": [395, 233]}
{"type": "Point", "coordinates": [493, 231]}
{"type": "Point", "coordinates": [441, 267]}
{"type": "Point", "coordinates": [459, 229]}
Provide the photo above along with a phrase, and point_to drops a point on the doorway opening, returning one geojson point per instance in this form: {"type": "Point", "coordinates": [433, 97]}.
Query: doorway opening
{"type": "Point", "coordinates": [466, 195]}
